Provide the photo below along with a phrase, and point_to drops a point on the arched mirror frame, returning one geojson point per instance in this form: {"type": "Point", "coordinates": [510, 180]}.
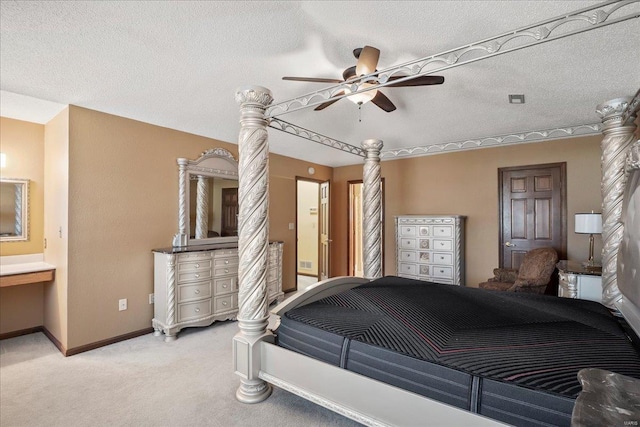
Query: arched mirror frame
{"type": "Point", "coordinates": [213, 163]}
{"type": "Point", "coordinates": [21, 210]}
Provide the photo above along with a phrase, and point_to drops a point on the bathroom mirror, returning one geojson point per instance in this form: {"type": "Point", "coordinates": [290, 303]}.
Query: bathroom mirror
{"type": "Point", "coordinates": [14, 210]}
{"type": "Point", "coordinates": [207, 199]}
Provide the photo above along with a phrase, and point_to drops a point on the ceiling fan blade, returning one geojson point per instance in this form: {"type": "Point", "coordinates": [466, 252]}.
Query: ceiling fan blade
{"type": "Point", "coordinates": [418, 81]}
{"type": "Point", "coordinates": [326, 104]}
{"type": "Point", "coordinates": [383, 102]}
{"type": "Point", "coordinates": [312, 79]}
{"type": "Point", "coordinates": [367, 60]}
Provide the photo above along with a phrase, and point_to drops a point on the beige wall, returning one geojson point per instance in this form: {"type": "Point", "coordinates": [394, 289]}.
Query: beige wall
{"type": "Point", "coordinates": [21, 307]}
{"type": "Point", "coordinates": [123, 186]}
{"type": "Point", "coordinates": [308, 225]}
{"type": "Point", "coordinates": [23, 144]}
{"type": "Point", "coordinates": [56, 223]}
{"type": "Point", "coordinates": [466, 183]}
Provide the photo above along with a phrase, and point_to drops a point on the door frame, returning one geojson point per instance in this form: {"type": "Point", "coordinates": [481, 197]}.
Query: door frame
{"type": "Point", "coordinates": [349, 228]}
{"type": "Point", "coordinates": [563, 209]}
{"type": "Point", "coordinates": [317, 181]}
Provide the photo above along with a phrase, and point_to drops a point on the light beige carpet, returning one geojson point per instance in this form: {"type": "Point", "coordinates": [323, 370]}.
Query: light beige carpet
{"type": "Point", "coordinates": [140, 382]}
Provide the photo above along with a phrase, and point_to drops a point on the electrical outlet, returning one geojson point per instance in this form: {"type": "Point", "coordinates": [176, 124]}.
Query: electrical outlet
{"type": "Point", "coordinates": [152, 298]}
{"type": "Point", "coordinates": [292, 226]}
{"type": "Point", "coordinates": [122, 304]}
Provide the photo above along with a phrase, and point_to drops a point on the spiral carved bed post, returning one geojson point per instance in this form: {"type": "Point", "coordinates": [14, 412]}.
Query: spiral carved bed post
{"type": "Point", "coordinates": [618, 137]}
{"type": "Point", "coordinates": [253, 234]}
{"type": "Point", "coordinates": [182, 237]}
{"type": "Point", "coordinates": [372, 210]}
{"type": "Point", "coordinates": [202, 208]}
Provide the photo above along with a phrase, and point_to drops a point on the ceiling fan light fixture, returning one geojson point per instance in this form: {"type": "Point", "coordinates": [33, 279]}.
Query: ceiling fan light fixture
{"type": "Point", "coordinates": [362, 97]}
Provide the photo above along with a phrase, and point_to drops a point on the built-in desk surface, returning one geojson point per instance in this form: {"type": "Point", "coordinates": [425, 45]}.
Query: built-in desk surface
{"type": "Point", "coordinates": [25, 269]}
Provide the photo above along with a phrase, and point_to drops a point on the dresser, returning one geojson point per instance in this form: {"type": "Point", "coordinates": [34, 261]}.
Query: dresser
{"type": "Point", "coordinates": [577, 281]}
{"type": "Point", "coordinates": [197, 285]}
{"type": "Point", "coordinates": [430, 247]}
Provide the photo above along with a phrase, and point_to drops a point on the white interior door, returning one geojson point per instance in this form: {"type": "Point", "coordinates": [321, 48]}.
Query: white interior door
{"type": "Point", "coordinates": [325, 239]}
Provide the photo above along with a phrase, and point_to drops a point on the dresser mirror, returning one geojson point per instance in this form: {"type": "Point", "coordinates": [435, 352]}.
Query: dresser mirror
{"type": "Point", "coordinates": [14, 210]}
{"type": "Point", "coordinates": [207, 199]}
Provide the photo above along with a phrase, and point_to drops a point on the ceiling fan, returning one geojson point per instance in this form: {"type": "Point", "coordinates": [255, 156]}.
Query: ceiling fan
{"type": "Point", "coordinates": [367, 61]}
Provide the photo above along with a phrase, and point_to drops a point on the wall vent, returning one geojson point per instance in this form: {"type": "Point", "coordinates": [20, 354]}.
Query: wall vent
{"type": "Point", "coordinates": [306, 265]}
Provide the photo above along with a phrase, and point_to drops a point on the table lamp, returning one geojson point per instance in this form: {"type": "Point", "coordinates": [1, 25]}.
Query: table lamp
{"type": "Point", "coordinates": [589, 223]}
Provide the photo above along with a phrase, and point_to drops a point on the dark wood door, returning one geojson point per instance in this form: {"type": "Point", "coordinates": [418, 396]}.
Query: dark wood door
{"type": "Point", "coordinates": [229, 212]}
{"type": "Point", "coordinates": [533, 211]}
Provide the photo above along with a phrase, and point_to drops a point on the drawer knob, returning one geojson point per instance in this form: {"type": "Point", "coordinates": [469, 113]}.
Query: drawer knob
{"type": "Point", "coordinates": [441, 243]}
{"type": "Point", "coordinates": [224, 286]}
{"type": "Point", "coordinates": [226, 261]}
{"type": "Point", "coordinates": [226, 270]}
{"type": "Point", "coordinates": [197, 291]}
{"type": "Point", "coordinates": [197, 265]}
{"type": "Point", "coordinates": [441, 257]}
{"type": "Point", "coordinates": [441, 271]}
{"type": "Point", "coordinates": [197, 310]}
{"type": "Point", "coordinates": [224, 303]}
{"type": "Point", "coordinates": [197, 275]}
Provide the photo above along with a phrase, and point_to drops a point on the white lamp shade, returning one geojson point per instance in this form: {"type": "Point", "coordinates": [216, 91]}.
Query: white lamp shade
{"type": "Point", "coordinates": [589, 223]}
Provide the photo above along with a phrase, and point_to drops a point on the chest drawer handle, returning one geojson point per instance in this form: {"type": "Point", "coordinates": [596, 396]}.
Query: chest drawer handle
{"type": "Point", "coordinates": [441, 243]}
{"type": "Point", "coordinates": [226, 270]}
{"type": "Point", "coordinates": [197, 291]}
{"type": "Point", "coordinates": [441, 271]}
{"type": "Point", "coordinates": [197, 310]}
{"type": "Point", "coordinates": [226, 261]}
{"type": "Point", "coordinates": [197, 265]}
{"type": "Point", "coordinates": [197, 275]}
{"type": "Point", "coordinates": [441, 257]}
{"type": "Point", "coordinates": [224, 286]}
{"type": "Point", "coordinates": [224, 303]}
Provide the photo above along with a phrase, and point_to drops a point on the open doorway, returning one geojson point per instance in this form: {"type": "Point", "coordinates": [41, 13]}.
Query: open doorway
{"type": "Point", "coordinates": [355, 231]}
{"type": "Point", "coordinates": [312, 228]}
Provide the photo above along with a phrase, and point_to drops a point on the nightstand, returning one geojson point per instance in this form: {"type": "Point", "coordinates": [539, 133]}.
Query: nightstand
{"type": "Point", "coordinates": [577, 281]}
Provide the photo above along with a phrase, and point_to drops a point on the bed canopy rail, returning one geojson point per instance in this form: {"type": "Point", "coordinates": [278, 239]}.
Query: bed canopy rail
{"type": "Point", "coordinates": [588, 18]}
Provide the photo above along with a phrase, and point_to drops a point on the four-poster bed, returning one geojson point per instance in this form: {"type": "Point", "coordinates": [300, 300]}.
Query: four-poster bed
{"type": "Point", "coordinates": [260, 362]}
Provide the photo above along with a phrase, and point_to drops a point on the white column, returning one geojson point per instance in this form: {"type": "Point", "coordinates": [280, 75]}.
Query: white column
{"type": "Point", "coordinates": [253, 234]}
{"type": "Point", "coordinates": [618, 137]}
{"type": "Point", "coordinates": [182, 237]}
{"type": "Point", "coordinates": [202, 207]}
{"type": "Point", "coordinates": [372, 210]}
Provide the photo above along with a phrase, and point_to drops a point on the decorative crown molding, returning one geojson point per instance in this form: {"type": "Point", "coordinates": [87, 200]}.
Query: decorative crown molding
{"type": "Point", "coordinates": [500, 140]}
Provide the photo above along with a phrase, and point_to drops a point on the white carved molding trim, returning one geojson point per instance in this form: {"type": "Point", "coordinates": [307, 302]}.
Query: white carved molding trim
{"type": "Point", "coordinates": [499, 140]}
{"type": "Point", "coordinates": [581, 20]}
{"type": "Point", "coordinates": [301, 132]}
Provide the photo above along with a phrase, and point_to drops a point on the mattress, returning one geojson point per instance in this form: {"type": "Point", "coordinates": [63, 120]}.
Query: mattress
{"type": "Point", "coordinates": [512, 357]}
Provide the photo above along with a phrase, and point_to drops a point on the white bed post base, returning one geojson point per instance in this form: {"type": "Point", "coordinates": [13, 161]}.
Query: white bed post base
{"type": "Point", "coordinates": [372, 210]}
{"type": "Point", "coordinates": [618, 137]}
{"type": "Point", "coordinates": [253, 236]}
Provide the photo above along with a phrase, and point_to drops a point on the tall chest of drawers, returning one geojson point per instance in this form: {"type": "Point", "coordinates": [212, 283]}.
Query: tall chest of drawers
{"type": "Point", "coordinates": [430, 247]}
{"type": "Point", "coordinates": [198, 286]}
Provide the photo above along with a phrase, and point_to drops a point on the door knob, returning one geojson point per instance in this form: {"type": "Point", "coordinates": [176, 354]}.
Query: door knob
{"type": "Point", "coordinates": [510, 245]}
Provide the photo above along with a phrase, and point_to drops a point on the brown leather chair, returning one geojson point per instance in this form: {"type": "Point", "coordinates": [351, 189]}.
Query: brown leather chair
{"type": "Point", "coordinates": [533, 276]}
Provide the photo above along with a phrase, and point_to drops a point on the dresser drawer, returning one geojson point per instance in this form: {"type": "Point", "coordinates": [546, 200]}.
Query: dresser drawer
{"type": "Point", "coordinates": [408, 276]}
{"type": "Point", "coordinates": [203, 264]}
{"type": "Point", "coordinates": [231, 270]}
{"type": "Point", "coordinates": [407, 230]}
{"type": "Point", "coordinates": [445, 272]}
{"type": "Point", "coordinates": [221, 253]}
{"type": "Point", "coordinates": [442, 245]}
{"type": "Point", "coordinates": [194, 275]}
{"type": "Point", "coordinates": [225, 261]}
{"type": "Point", "coordinates": [225, 303]}
{"type": "Point", "coordinates": [443, 258]}
{"type": "Point", "coordinates": [424, 230]}
{"type": "Point", "coordinates": [195, 291]}
{"type": "Point", "coordinates": [408, 269]}
{"type": "Point", "coordinates": [443, 230]}
{"type": "Point", "coordinates": [272, 288]}
{"type": "Point", "coordinates": [194, 256]}
{"type": "Point", "coordinates": [407, 243]}
{"type": "Point", "coordinates": [272, 274]}
{"type": "Point", "coordinates": [192, 310]}
{"type": "Point", "coordinates": [225, 285]}
{"type": "Point", "coordinates": [408, 256]}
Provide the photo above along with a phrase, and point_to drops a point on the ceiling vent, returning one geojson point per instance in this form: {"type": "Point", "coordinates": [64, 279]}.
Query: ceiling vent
{"type": "Point", "coordinates": [516, 99]}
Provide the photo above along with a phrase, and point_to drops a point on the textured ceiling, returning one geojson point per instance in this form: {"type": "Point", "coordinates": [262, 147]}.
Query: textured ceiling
{"type": "Point", "coordinates": [178, 64]}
